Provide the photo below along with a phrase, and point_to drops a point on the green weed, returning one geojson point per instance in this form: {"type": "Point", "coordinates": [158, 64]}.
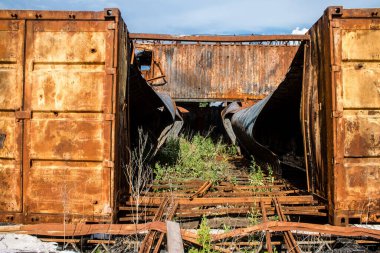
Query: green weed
{"type": "Point", "coordinates": [270, 174]}
{"type": "Point", "coordinates": [189, 158]}
{"type": "Point", "coordinates": [204, 238]}
{"type": "Point", "coordinates": [256, 174]}
{"type": "Point", "coordinates": [254, 216]}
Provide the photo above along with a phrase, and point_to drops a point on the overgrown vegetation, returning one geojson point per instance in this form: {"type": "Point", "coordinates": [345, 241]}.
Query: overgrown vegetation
{"type": "Point", "coordinates": [257, 176]}
{"type": "Point", "coordinates": [197, 157]}
{"type": "Point", "coordinates": [204, 238]}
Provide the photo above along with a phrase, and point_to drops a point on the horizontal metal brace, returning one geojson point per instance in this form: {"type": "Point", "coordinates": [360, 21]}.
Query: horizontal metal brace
{"type": "Point", "coordinates": [23, 114]}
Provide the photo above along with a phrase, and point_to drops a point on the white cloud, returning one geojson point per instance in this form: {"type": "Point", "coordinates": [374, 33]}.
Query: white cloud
{"type": "Point", "coordinates": [300, 31]}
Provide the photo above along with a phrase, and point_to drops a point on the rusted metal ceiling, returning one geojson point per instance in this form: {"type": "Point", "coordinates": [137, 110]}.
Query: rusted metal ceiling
{"type": "Point", "coordinates": [196, 72]}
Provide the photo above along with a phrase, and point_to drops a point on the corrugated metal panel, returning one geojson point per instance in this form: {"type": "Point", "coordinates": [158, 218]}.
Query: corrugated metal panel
{"type": "Point", "coordinates": [67, 93]}
{"type": "Point", "coordinates": [219, 71]}
{"type": "Point", "coordinates": [71, 104]}
{"type": "Point", "coordinates": [11, 90]}
{"type": "Point", "coordinates": [346, 84]}
{"type": "Point", "coordinates": [358, 96]}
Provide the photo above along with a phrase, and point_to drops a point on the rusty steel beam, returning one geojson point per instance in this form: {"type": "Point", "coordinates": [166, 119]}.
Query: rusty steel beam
{"type": "Point", "coordinates": [226, 200]}
{"type": "Point", "coordinates": [81, 229]}
{"type": "Point", "coordinates": [170, 215]}
{"type": "Point", "coordinates": [245, 243]}
{"type": "Point", "coordinates": [289, 238]}
{"type": "Point", "coordinates": [267, 233]}
{"type": "Point", "coordinates": [218, 38]}
{"type": "Point", "coordinates": [281, 226]}
{"type": "Point", "coordinates": [234, 187]}
{"type": "Point", "coordinates": [188, 213]}
{"type": "Point", "coordinates": [149, 239]}
{"type": "Point", "coordinates": [223, 194]}
{"type": "Point", "coordinates": [200, 192]}
{"type": "Point", "coordinates": [59, 15]}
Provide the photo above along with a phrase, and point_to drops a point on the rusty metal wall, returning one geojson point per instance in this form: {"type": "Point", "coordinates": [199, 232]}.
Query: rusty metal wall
{"type": "Point", "coordinates": [60, 115]}
{"type": "Point", "coordinates": [196, 72]}
{"type": "Point", "coordinates": [341, 113]}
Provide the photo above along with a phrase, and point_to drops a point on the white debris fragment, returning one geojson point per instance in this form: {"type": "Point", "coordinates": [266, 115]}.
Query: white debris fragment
{"type": "Point", "coordinates": [12, 243]}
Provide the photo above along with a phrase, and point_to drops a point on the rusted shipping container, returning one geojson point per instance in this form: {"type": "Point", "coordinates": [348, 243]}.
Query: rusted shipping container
{"type": "Point", "coordinates": [341, 113]}
{"type": "Point", "coordinates": [215, 71]}
{"type": "Point", "coordinates": [63, 118]}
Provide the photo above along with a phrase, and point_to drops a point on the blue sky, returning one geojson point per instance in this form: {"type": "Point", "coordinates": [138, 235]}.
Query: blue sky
{"type": "Point", "coordinates": [204, 16]}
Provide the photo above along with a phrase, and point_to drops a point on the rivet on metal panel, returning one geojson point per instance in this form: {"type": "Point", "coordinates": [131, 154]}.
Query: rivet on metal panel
{"type": "Point", "coordinates": [2, 139]}
{"type": "Point", "coordinates": [108, 164]}
{"type": "Point", "coordinates": [109, 117]}
{"type": "Point", "coordinates": [111, 26]}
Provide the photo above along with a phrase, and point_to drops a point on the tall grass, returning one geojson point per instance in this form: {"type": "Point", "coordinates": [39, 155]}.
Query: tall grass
{"type": "Point", "coordinates": [198, 157]}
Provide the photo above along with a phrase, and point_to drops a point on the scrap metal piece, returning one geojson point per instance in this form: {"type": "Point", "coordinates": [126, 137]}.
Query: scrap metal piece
{"type": "Point", "coordinates": [289, 238]}
{"type": "Point", "coordinates": [267, 233]}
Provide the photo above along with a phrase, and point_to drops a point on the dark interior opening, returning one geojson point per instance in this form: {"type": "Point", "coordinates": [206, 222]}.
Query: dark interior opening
{"type": "Point", "coordinates": [278, 126]}
{"type": "Point", "coordinates": [203, 118]}
{"type": "Point", "coordinates": [144, 59]}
